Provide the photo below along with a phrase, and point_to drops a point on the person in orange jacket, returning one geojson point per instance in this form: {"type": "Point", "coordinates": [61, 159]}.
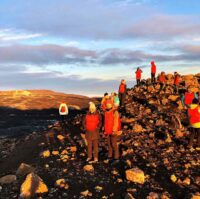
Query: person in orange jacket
{"type": "Point", "coordinates": [162, 80]}
{"type": "Point", "coordinates": [194, 118]}
{"type": "Point", "coordinates": [176, 82]}
{"type": "Point", "coordinates": [92, 124]}
{"type": "Point", "coordinates": [104, 101]}
{"type": "Point", "coordinates": [153, 72]}
{"type": "Point", "coordinates": [122, 92]}
{"type": "Point", "coordinates": [138, 75]}
{"type": "Point", "coordinates": [112, 125]}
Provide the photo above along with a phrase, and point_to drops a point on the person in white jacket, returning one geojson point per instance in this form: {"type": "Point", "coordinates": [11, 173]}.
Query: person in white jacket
{"type": "Point", "coordinates": [63, 111]}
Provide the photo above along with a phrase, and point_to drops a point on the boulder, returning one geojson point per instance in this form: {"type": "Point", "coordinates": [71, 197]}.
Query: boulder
{"type": "Point", "coordinates": [129, 196]}
{"type": "Point", "coordinates": [8, 179]}
{"type": "Point", "coordinates": [46, 154]}
{"type": "Point", "coordinates": [196, 196]}
{"type": "Point", "coordinates": [88, 168]}
{"type": "Point", "coordinates": [32, 185]}
{"type": "Point", "coordinates": [135, 175]}
{"type": "Point", "coordinates": [24, 169]}
{"type": "Point", "coordinates": [173, 97]}
{"type": "Point", "coordinates": [137, 128]}
{"type": "Point", "coordinates": [173, 178]}
{"type": "Point", "coordinates": [61, 183]}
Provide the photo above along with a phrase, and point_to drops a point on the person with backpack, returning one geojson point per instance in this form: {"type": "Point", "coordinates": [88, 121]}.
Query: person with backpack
{"type": "Point", "coordinates": [92, 124]}
{"type": "Point", "coordinates": [162, 81]}
{"type": "Point", "coordinates": [138, 75]}
{"type": "Point", "coordinates": [176, 82]}
{"type": "Point", "coordinates": [188, 97]}
{"type": "Point", "coordinates": [194, 118]}
{"type": "Point", "coordinates": [122, 92]}
{"type": "Point", "coordinates": [153, 72]}
{"type": "Point", "coordinates": [112, 126]}
{"type": "Point", "coordinates": [63, 112]}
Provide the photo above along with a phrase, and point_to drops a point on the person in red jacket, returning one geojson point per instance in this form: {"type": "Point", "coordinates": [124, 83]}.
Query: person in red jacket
{"type": "Point", "coordinates": [122, 92]}
{"type": "Point", "coordinates": [138, 75]}
{"type": "Point", "coordinates": [162, 80]}
{"type": "Point", "coordinates": [112, 125]}
{"type": "Point", "coordinates": [194, 118]}
{"type": "Point", "coordinates": [153, 72]}
{"type": "Point", "coordinates": [176, 82]}
{"type": "Point", "coordinates": [92, 124]}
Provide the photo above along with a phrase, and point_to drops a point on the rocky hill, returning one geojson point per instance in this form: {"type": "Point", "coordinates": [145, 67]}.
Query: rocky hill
{"type": "Point", "coordinates": [40, 99]}
{"type": "Point", "coordinates": [155, 161]}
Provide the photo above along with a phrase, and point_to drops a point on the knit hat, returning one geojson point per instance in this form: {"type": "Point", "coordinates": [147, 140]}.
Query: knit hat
{"type": "Point", "coordinates": [92, 107]}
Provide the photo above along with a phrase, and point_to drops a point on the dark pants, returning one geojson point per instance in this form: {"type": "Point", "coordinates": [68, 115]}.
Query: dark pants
{"type": "Point", "coordinates": [161, 87]}
{"type": "Point", "coordinates": [138, 82]}
{"type": "Point", "coordinates": [192, 135]}
{"type": "Point", "coordinates": [153, 78]}
{"type": "Point", "coordinates": [175, 89]}
{"type": "Point", "coordinates": [63, 122]}
{"type": "Point", "coordinates": [122, 97]}
{"type": "Point", "coordinates": [92, 148]}
{"type": "Point", "coordinates": [113, 146]}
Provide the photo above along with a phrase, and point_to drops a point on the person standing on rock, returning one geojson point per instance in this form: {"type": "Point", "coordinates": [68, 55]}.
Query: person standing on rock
{"type": "Point", "coordinates": [194, 118]}
{"type": "Point", "coordinates": [162, 80]}
{"type": "Point", "coordinates": [112, 125]}
{"type": "Point", "coordinates": [153, 72]}
{"type": "Point", "coordinates": [138, 75]}
{"type": "Point", "coordinates": [122, 92]}
{"type": "Point", "coordinates": [63, 112]}
{"type": "Point", "coordinates": [92, 124]}
{"type": "Point", "coordinates": [104, 101]}
{"type": "Point", "coordinates": [176, 82]}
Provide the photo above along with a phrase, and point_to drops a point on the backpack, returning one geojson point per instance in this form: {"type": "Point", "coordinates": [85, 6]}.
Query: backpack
{"type": "Point", "coordinates": [63, 109]}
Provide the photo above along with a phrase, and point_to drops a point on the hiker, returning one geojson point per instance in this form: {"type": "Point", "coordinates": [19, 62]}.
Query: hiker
{"type": "Point", "coordinates": [112, 126]}
{"type": "Point", "coordinates": [63, 111]}
{"type": "Point", "coordinates": [188, 97]}
{"type": "Point", "coordinates": [194, 118]}
{"type": "Point", "coordinates": [153, 72]}
{"type": "Point", "coordinates": [176, 82]}
{"type": "Point", "coordinates": [122, 92]}
{"type": "Point", "coordinates": [138, 75]}
{"type": "Point", "coordinates": [92, 125]}
{"type": "Point", "coordinates": [162, 80]}
{"type": "Point", "coordinates": [104, 101]}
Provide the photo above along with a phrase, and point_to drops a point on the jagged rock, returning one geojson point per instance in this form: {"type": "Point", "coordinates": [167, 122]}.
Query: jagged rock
{"type": "Point", "coordinates": [88, 168]}
{"type": "Point", "coordinates": [173, 97]}
{"type": "Point", "coordinates": [73, 149]}
{"type": "Point", "coordinates": [173, 178]}
{"type": "Point", "coordinates": [86, 193]}
{"type": "Point", "coordinates": [61, 183]}
{"type": "Point", "coordinates": [32, 185]}
{"type": "Point", "coordinates": [61, 138]}
{"type": "Point", "coordinates": [129, 196]}
{"type": "Point", "coordinates": [8, 179]}
{"type": "Point", "coordinates": [46, 154]}
{"type": "Point", "coordinates": [135, 175]}
{"type": "Point", "coordinates": [179, 133]}
{"type": "Point", "coordinates": [137, 128]}
{"type": "Point", "coordinates": [196, 196]}
{"type": "Point", "coordinates": [153, 195]}
{"type": "Point", "coordinates": [55, 152]}
{"type": "Point", "coordinates": [98, 188]}
{"type": "Point", "coordinates": [187, 181]}
{"type": "Point", "coordinates": [24, 169]}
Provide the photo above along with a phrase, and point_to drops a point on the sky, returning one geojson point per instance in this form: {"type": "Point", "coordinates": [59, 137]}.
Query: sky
{"type": "Point", "coordinates": [87, 46]}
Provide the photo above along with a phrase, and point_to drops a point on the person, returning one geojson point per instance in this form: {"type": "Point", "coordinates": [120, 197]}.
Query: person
{"type": "Point", "coordinates": [92, 125]}
{"type": "Point", "coordinates": [162, 80]}
{"type": "Point", "coordinates": [104, 101]}
{"type": "Point", "coordinates": [188, 97]}
{"type": "Point", "coordinates": [138, 75]}
{"type": "Point", "coordinates": [176, 82]}
{"type": "Point", "coordinates": [194, 118]}
{"type": "Point", "coordinates": [122, 92]}
{"type": "Point", "coordinates": [112, 125]}
{"type": "Point", "coordinates": [63, 112]}
{"type": "Point", "coordinates": [153, 72]}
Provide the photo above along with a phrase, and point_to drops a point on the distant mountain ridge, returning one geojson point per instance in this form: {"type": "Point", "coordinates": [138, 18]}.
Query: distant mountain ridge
{"type": "Point", "coordinates": [41, 99]}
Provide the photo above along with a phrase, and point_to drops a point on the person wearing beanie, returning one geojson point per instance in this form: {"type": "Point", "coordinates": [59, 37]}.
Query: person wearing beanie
{"type": "Point", "coordinates": [92, 124]}
{"type": "Point", "coordinates": [194, 118]}
{"type": "Point", "coordinates": [112, 125]}
{"type": "Point", "coordinates": [138, 75]}
{"type": "Point", "coordinates": [104, 101]}
{"type": "Point", "coordinates": [122, 92]}
{"type": "Point", "coordinates": [162, 80]}
{"type": "Point", "coordinates": [63, 112]}
{"type": "Point", "coordinates": [176, 82]}
{"type": "Point", "coordinates": [153, 72]}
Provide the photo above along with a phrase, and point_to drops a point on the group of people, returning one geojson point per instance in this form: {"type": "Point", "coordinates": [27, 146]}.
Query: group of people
{"type": "Point", "coordinates": [107, 118]}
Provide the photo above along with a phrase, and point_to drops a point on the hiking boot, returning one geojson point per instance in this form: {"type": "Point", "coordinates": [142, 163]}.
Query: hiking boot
{"type": "Point", "coordinates": [96, 160]}
{"type": "Point", "coordinates": [89, 159]}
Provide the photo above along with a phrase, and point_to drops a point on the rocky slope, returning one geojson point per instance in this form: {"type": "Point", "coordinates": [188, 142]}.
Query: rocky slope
{"type": "Point", "coordinates": [155, 161]}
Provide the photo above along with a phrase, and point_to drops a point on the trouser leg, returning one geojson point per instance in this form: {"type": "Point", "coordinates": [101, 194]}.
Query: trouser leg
{"type": "Point", "coordinates": [192, 135]}
{"type": "Point", "coordinates": [115, 147]}
{"type": "Point", "coordinates": [198, 137]}
{"type": "Point", "coordinates": [95, 148]}
{"type": "Point", "coordinates": [120, 98]}
{"type": "Point", "coordinates": [123, 99]}
{"type": "Point", "coordinates": [89, 149]}
{"type": "Point", "coordinates": [161, 87]}
{"type": "Point", "coordinates": [110, 150]}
